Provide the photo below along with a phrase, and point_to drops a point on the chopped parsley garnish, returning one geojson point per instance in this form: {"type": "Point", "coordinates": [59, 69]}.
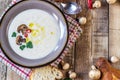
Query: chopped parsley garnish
{"type": "Point", "coordinates": [14, 34]}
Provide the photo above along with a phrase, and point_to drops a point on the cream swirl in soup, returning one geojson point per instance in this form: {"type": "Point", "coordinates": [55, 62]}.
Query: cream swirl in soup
{"type": "Point", "coordinates": [33, 34]}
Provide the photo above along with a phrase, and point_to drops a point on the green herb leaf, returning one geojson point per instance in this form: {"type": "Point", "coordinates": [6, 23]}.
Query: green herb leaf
{"type": "Point", "coordinates": [22, 47]}
{"type": "Point", "coordinates": [29, 44]}
{"type": "Point", "coordinates": [14, 34]}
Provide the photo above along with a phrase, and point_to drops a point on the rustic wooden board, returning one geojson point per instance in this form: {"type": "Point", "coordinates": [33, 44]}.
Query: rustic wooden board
{"type": "Point", "coordinates": [94, 41]}
{"type": "Point", "coordinates": [3, 72]}
{"type": "Point", "coordinates": [83, 45]}
{"type": "Point", "coordinates": [114, 32]}
{"type": "Point", "coordinates": [100, 31]}
{"type": "Point", "coordinates": [3, 5]}
{"type": "Point", "coordinates": [100, 38]}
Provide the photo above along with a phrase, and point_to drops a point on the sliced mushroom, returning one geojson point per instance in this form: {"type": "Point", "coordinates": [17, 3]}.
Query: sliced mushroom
{"type": "Point", "coordinates": [22, 28]}
{"type": "Point", "coordinates": [23, 40]}
{"type": "Point", "coordinates": [18, 40]}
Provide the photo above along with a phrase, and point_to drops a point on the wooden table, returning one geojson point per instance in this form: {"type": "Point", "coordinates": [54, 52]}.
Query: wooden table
{"type": "Point", "coordinates": [100, 38]}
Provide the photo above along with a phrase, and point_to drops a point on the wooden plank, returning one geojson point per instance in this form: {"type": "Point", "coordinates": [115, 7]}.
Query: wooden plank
{"type": "Point", "coordinates": [100, 31]}
{"type": "Point", "coordinates": [83, 45]}
{"type": "Point", "coordinates": [94, 41]}
{"type": "Point", "coordinates": [114, 32]}
{"type": "Point", "coordinates": [3, 72]}
{"type": "Point", "coordinates": [3, 5]}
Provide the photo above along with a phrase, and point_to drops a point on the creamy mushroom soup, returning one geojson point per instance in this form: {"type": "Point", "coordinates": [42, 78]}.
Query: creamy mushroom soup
{"type": "Point", "coordinates": [33, 34]}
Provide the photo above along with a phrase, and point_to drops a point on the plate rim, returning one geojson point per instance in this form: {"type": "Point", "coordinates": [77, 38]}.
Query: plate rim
{"type": "Point", "coordinates": [60, 51]}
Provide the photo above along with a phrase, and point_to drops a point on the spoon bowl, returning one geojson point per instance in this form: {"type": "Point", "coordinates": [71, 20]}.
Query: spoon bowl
{"type": "Point", "coordinates": [70, 8]}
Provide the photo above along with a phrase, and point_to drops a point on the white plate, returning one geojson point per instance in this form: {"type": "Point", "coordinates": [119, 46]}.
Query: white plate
{"type": "Point", "coordinates": [8, 21]}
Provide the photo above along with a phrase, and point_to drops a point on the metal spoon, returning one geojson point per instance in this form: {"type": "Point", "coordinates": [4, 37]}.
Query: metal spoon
{"type": "Point", "coordinates": [70, 8]}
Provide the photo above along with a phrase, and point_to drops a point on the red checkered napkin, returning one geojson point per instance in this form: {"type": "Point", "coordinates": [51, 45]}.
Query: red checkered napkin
{"type": "Point", "coordinates": [74, 32]}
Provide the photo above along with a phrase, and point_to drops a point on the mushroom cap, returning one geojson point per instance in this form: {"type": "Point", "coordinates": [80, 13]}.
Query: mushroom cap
{"type": "Point", "coordinates": [111, 1]}
{"type": "Point", "coordinates": [66, 66]}
{"type": "Point", "coordinates": [97, 4]}
{"type": "Point", "coordinates": [95, 74]}
{"type": "Point", "coordinates": [82, 20]}
{"type": "Point", "coordinates": [73, 75]}
{"type": "Point", "coordinates": [18, 40]}
{"type": "Point", "coordinates": [22, 28]}
{"type": "Point", "coordinates": [114, 59]}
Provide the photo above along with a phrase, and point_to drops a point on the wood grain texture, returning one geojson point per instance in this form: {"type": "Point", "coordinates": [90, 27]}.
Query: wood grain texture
{"type": "Point", "coordinates": [3, 5]}
{"type": "Point", "coordinates": [100, 31]}
{"type": "Point", "coordinates": [94, 41]}
{"type": "Point", "coordinates": [114, 38]}
{"type": "Point", "coordinates": [3, 72]}
{"type": "Point", "coordinates": [83, 45]}
{"type": "Point", "coordinates": [100, 38]}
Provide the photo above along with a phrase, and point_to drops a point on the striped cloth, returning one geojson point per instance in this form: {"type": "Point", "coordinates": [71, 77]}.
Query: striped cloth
{"type": "Point", "coordinates": [74, 33]}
